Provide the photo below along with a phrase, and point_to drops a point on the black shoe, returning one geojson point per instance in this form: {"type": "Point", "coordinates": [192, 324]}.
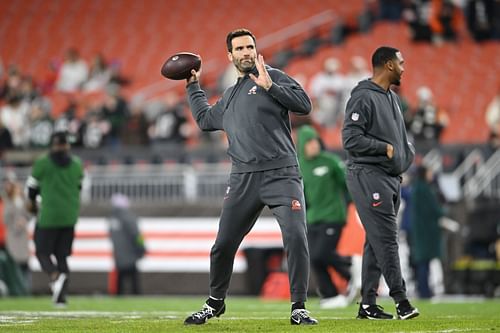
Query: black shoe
{"type": "Point", "coordinates": [301, 317]}
{"type": "Point", "coordinates": [373, 311]}
{"type": "Point", "coordinates": [406, 311]}
{"type": "Point", "coordinates": [204, 314]}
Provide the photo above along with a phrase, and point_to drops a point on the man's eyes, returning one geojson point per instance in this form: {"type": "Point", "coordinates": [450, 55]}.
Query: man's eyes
{"type": "Point", "coordinates": [241, 48]}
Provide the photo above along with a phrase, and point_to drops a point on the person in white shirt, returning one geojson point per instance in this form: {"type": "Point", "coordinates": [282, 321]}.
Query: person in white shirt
{"type": "Point", "coordinates": [73, 72]}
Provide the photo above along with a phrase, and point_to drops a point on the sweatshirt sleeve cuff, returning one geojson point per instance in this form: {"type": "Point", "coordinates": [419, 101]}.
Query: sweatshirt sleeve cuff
{"type": "Point", "coordinates": [195, 85]}
{"type": "Point", "coordinates": [274, 90]}
{"type": "Point", "coordinates": [382, 148]}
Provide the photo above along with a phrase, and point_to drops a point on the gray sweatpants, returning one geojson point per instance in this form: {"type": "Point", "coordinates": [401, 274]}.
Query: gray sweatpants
{"type": "Point", "coordinates": [377, 198]}
{"type": "Point", "coordinates": [248, 193]}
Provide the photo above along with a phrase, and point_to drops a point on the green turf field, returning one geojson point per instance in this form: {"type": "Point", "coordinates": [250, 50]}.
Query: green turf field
{"type": "Point", "coordinates": [166, 314]}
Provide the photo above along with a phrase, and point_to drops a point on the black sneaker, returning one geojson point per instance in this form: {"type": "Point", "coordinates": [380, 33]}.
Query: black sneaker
{"type": "Point", "coordinates": [406, 311]}
{"type": "Point", "coordinates": [204, 314]}
{"type": "Point", "coordinates": [373, 311]}
{"type": "Point", "coordinates": [301, 317]}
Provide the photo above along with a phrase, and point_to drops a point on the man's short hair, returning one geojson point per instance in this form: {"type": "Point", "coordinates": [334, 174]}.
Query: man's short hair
{"type": "Point", "coordinates": [237, 33]}
{"type": "Point", "coordinates": [382, 55]}
{"type": "Point", "coordinates": [59, 138]}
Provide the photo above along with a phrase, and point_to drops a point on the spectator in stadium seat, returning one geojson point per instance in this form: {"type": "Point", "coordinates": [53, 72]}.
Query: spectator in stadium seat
{"type": "Point", "coordinates": [73, 72]}
{"type": "Point", "coordinates": [444, 21]}
{"type": "Point", "coordinates": [41, 124]}
{"type": "Point", "coordinates": [417, 15]}
{"type": "Point", "coordinates": [492, 146]}
{"type": "Point", "coordinates": [482, 20]}
{"type": "Point", "coordinates": [128, 243]}
{"type": "Point", "coordinates": [5, 139]}
{"type": "Point", "coordinates": [48, 80]}
{"type": "Point", "coordinates": [68, 121]}
{"type": "Point", "coordinates": [114, 111]}
{"type": "Point", "coordinates": [14, 115]}
{"type": "Point", "coordinates": [390, 10]}
{"type": "Point", "coordinates": [254, 114]}
{"type": "Point", "coordinates": [12, 83]}
{"type": "Point", "coordinates": [326, 89]}
{"type": "Point", "coordinates": [428, 121]}
{"type": "Point", "coordinates": [56, 177]}
{"type": "Point", "coordinates": [170, 124]}
{"type": "Point", "coordinates": [93, 130]}
{"type": "Point", "coordinates": [135, 129]}
{"type": "Point", "coordinates": [492, 114]}
{"type": "Point", "coordinates": [99, 74]}
{"type": "Point", "coordinates": [28, 90]}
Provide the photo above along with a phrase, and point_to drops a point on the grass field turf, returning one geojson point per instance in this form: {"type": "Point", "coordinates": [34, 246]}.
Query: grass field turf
{"type": "Point", "coordinates": [244, 314]}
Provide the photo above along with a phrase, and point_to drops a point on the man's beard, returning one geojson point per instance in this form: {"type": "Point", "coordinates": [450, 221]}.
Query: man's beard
{"type": "Point", "coordinates": [396, 81]}
{"type": "Point", "coordinates": [244, 69]}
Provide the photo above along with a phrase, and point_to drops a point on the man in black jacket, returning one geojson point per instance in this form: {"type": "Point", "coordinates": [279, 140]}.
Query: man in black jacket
{"type": "Point", "coordinates": [254, 113]}
{"type": "Point", "coordinates": [375, 138]}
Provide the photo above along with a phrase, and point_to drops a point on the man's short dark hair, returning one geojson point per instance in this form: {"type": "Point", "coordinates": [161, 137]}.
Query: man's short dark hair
{"type": "Point", "coordinates": [237, 33]}
{"type": "Point", "coordinates": [382, 55]}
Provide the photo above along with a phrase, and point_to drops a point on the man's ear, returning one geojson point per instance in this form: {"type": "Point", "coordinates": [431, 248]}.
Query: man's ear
{"type": "Point", "coordinates": [390, 65]}
{"type": "Point", "coordinates": [230, 56]}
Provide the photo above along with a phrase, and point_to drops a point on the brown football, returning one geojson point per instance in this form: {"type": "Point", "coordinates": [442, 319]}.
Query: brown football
{"type": "Point", "coordinates": [179, 66]}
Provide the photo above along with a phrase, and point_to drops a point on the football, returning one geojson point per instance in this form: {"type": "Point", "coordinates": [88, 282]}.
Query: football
{"type": "Point", "coordinates": [179, 66]}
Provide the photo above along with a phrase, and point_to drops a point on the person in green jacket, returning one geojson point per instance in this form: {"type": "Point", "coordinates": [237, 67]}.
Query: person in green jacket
{"type": "Point", "coordinates": [56, 179]}
{"type": "Point", "coordinates": [326, 198]}
{"type": "Point", "coordinates": [425, 232]}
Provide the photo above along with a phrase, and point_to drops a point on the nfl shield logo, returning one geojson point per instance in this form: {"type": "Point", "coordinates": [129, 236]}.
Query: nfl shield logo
{"type": "Point", "coordinates": [376, 196]}
{"type": "Point", "coordinates": [355, 116]}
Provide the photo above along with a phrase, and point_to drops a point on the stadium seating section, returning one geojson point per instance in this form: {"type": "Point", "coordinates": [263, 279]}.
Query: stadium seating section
{"type": "Point", "coordinates": [142, 34]}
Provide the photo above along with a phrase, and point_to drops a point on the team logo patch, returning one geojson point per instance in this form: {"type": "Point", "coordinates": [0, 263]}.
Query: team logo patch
{"type": "Point", "coordinates": [296, 205]}
{"type": "Point", "coordinates": [355, 116]}
{"type": "Point", "coordinates": [320, 171]}
{"type": "Point", "coordinates": [376, 197]}
{"type": "Point", "coordinates": [252, 90]}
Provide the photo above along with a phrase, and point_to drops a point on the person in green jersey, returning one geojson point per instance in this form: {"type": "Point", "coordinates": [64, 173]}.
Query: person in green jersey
{"type": "Point", "coordinates": [326, 211]}
{"type": "Point", "coordinates": [55, 179]}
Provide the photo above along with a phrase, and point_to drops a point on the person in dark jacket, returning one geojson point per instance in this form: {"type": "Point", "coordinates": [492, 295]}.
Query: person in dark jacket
{"type": "Point", "coordinates": [375, 138]}
{"type": "Point", "coordinates": [325, 190]}
{"type": "Point", "coordinates": [425, 233]}
{"type": "Point", "coordinates": [128, 243]}
{"type": "Point", "coordinates": [254, 113]}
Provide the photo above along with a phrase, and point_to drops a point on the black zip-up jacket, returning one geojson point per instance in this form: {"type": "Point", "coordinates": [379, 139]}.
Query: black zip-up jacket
{"type": "Point", "coordinates": [256, 121]}
{"type": "Point", "coordinates": [373, 119]}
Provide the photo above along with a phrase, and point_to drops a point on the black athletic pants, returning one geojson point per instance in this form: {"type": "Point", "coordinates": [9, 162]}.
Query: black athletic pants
{"type": "Point", "coordinates": [323, 239]}
{"type": "Point", "coordinates": [57, 242]}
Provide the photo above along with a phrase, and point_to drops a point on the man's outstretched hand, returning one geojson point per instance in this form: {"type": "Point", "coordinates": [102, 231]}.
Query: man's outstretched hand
{"type": "Point", "coordinates": [264, 80]}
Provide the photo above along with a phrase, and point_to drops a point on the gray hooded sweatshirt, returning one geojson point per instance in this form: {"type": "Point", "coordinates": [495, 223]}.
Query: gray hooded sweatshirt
{"type": "Point", "coordinates": [256, 121]}
{"type": "Point", "coordinates": [373, 119]}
